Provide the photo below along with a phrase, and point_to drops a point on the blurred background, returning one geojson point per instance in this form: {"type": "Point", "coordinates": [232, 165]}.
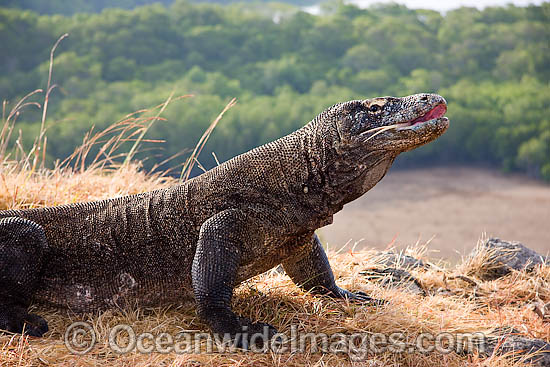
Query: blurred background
{"type": "Point", "coordinates": [287, 61]}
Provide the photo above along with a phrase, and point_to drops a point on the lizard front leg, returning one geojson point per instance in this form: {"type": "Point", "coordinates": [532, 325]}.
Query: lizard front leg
{"type": "Point", "coordinates": [22, 247]}
{"type": "Point", "coordinates": [312, 272]}
{"type": "Point", "coordinates": [217, 258]}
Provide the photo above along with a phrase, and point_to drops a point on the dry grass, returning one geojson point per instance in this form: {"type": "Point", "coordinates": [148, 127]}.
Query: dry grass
{"type": "Point", "coordinates": [454, 306]}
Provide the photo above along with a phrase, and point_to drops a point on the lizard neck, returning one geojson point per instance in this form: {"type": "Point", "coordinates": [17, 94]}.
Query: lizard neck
{"type": "Point", "coordinates": [336, 178]}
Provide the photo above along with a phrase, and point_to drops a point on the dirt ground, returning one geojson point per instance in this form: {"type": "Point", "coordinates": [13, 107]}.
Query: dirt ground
{"type": "Point", "coordinates": [454, 205]}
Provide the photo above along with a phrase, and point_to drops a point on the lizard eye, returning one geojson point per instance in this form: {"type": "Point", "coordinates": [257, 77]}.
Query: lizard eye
{"type": "Point", "coordinates": [374, 108]}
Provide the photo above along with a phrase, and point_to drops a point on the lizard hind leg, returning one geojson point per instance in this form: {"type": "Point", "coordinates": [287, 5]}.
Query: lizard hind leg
{"type": "Point", "coordinates": [22, 244]}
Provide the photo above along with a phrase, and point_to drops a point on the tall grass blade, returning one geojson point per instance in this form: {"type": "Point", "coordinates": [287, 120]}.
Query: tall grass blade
{"type": "Point", "coordinates": [188, 167]}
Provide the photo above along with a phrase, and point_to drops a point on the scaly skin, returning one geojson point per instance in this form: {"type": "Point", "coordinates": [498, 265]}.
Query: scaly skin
{"type": "Point", "coordinates": [200, 239]}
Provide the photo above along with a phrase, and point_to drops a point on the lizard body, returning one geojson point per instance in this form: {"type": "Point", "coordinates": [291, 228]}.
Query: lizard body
{"type": "Point", "coordinates": [199, 239]}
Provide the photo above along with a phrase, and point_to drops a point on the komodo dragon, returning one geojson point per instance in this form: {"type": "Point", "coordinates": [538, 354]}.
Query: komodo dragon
{"type": "Point", "coordinates": [200, 239]}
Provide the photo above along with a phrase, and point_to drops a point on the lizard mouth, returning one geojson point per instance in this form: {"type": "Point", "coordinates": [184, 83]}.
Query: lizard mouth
{"type": "Point", "coordinates": [435, 113]}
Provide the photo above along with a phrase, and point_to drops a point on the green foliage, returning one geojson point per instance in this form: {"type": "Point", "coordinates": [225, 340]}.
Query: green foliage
{"type": "Point", "coordinates": [75, 6]}
{"type": "Point", "coordinates": [284, 66]}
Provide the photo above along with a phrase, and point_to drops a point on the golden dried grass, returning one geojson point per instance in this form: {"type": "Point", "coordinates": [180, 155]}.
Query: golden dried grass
{"type": "Point", "coordinates": [271, 297]}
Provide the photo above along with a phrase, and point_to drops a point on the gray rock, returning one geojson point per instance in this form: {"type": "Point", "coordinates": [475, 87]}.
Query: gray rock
{"type": "Point", "coordinates": [393, 277]}
{"type": "Point", "coordinates": [398, 260]}
{"type": "Point", "coordinates": [535, 352]}
{"type": "Point", "coordinates": [507, 256]}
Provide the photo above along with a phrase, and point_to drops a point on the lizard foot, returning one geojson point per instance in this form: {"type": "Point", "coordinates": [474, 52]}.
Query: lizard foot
{"type": "Point", "coordinates": [19, 321]}
{"type": "Point", "coordinates": [356, 297]}
{"type": "Point", "coordinates": [256, 334]}
{"type": "Point", "coordinates": [35, 325]}
{"type": "Point", "coordinates": [240, 331]}
{"type": "Point", "coordinates": [251, 334]}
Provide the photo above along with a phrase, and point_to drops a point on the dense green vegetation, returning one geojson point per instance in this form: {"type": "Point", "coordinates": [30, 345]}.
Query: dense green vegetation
{"type": "Point", "coordinates": [285, 66]}
{"type": "Point", "coordinates": [70, 7]}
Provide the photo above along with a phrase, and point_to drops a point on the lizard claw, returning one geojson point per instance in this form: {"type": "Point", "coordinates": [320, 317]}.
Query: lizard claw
{"type": "Point", "coordinates": [254, 335]}
{"type": "Point", "coordinates": [359, 297]}
{"type": "Point", "coordinates": [243, 333]}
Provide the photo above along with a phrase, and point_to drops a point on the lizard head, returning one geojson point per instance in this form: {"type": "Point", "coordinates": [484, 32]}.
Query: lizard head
{"type": "Point", "coordinates": [391, 124]}
{"type": "Point", "coordinates": [367, 135]}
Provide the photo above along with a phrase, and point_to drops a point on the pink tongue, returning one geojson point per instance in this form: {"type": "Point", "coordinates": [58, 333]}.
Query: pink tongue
{"type": "Point", "coordinates": [434, 113]}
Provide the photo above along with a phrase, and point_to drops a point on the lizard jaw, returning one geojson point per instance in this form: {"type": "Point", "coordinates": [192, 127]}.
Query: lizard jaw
{"type": "Point", "coordinates": [434, 114]}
